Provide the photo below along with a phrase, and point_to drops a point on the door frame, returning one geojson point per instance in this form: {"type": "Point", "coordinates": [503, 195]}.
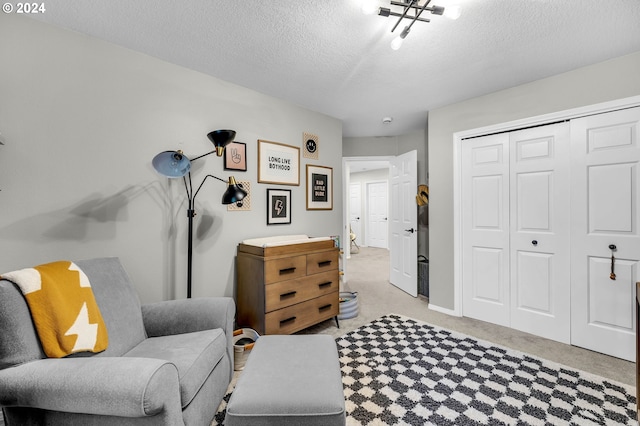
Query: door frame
{"type": "Point", "coordinates": [346, 214]}
{"type": "Point", "coordinates": [509, 126]}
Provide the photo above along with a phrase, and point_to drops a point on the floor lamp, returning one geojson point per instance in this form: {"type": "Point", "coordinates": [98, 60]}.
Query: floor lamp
{"type": "Point", "coordinates": [174, 164]}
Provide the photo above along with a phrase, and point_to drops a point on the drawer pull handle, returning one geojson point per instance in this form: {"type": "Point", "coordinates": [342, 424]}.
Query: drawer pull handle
{"type": "Point", "coordinates": [284, 321]}
{"type": "Point", "coordinates": [291, 293]}
{"type": "Point", "coordinates": [324, 263]}
{"type": "Point", "coordinates": [287, 270]}
{"type": "Point", "coordinates": [324, 308]}
{"type": "Point", "coordinates": [325, 284]}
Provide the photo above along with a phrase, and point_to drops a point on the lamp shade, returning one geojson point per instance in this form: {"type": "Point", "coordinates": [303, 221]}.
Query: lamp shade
{"type": "Point", "coordinates": [220, 139]}
{"type": "Point", "coordinates": [234, 192]}
{"type": "Point", "coordinates": [172, 164]}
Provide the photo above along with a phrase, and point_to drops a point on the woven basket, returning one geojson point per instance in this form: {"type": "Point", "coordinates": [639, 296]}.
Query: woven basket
{"type": "Point", "coordinates": [348, 305]}
{"type": "Point", "coordinates": [241, 351]}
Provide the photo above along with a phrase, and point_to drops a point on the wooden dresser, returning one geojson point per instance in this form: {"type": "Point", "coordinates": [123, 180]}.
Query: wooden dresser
{"type": "Point", "coordinates": [286, 288]}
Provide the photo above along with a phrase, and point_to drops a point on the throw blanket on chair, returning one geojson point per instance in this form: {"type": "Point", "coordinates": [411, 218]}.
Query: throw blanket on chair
{"type": "Point", "coordinates": [63, 308]}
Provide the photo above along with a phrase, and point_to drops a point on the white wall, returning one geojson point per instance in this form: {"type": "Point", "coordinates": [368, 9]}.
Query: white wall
{"type": "Point", "coordinates": [81, 120]}
{"type": "Point", "coordinates": [606, 81]}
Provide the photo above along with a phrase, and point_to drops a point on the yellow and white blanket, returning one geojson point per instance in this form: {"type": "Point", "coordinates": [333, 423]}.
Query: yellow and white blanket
{"type": "Point", "coordinates": [63, 308]}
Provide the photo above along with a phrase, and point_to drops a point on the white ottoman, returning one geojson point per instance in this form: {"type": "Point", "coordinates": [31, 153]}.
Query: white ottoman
{"type": "Point", "coordinates": [289, 380]}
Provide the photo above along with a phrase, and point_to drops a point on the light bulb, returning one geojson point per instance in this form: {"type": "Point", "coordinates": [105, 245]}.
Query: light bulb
{"type": "Point", "coordinates": [368, 7]}
{"type": "Point", "coordinates": [397, 43]}
{"type": "Point", "coordinates": [452, 12]}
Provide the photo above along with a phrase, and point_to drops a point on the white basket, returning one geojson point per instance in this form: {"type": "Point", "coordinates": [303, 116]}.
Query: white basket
{"type": "Point", "coordinates": [348, 305]}
{"type": "Point", "coordinates": [241, 352]}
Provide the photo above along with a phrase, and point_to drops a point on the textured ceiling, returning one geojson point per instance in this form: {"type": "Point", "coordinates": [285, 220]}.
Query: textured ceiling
{"type": "Point", "coordinates": [326, 55]}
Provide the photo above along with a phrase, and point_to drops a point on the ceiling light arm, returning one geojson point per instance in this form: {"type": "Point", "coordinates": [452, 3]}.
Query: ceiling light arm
{"type": "Point", "coordinates": [424, 6]}
{"type": "Point", "coordinates": [396, 14]}
{"type": "Point", "coordinates": [404, 14]}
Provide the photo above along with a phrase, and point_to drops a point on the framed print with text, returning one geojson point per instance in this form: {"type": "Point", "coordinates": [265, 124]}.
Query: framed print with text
{"type": "Point", "coordinates": [278, 206]}
{"type": "Point", "coordinates": [319, 188]}
{"type": "Point", "coordinates": [278, 163]}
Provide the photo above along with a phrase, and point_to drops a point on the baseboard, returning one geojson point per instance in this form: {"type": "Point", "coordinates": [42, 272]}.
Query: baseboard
{"type": "Point", "coordinates": [440, 309]}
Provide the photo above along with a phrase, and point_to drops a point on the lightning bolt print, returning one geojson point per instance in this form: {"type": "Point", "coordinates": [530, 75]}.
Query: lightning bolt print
{"type": "Point", "coordinates": [87, 333]}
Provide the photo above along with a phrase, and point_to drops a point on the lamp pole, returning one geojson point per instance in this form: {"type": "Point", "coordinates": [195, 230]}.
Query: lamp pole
{"type": "Point", "coordinates": [174, 164]}
{"type": "Point", "coordinates": [191, 196]}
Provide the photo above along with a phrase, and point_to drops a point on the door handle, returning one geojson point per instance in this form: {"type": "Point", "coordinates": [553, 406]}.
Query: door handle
{"type": "Point", "coordinates": [534, 242]}
{"type": "Point", "coordinates": [411, 231]}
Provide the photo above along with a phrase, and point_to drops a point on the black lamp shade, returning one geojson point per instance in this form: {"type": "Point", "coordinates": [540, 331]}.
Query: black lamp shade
{"type": "Point", "coordinates": [220, 139]}
{"type": "Point", "coordinates": [234, 192]}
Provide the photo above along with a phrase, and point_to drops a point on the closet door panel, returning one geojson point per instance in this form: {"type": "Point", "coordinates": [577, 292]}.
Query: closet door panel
{"type": "Point", "coordinates": [606, 184]}
{"type": "Point", "coordinates": [540, 240]}
{"type": "Point", "coordinates": [485, 207]}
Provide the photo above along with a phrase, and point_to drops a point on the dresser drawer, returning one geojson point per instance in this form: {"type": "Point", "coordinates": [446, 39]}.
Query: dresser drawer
{"type": "Point", "coordinates": [321, 262]}
{"type": "Point", "coordinates": [285, 268]}
{"type": "Point", "coordinates": [290, 292]}
{"type": "Point", "coordinates": [302, 315]}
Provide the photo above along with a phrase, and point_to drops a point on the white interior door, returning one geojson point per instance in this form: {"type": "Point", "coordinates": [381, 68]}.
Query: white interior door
{"type": "Point", "coordinates": [403, 267]}
{"type": "Point", "coordinates": [605, 196]}
{"type": "Point", "coordinates": [539, 230]}
{"type": "Point", "coordinates": [485, 228]}
{"type": "Point", "coordinates": [378, 214]}
{"type": "Point", "coordinates": [355, 210]}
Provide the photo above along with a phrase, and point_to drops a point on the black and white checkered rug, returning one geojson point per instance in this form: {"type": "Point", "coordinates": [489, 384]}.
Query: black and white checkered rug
{"type": "Point", "coordinates": [399, 371]}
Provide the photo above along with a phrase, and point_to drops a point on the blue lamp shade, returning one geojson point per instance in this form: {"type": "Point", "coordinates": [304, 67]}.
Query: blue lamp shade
{"type": "Point", "coordinates": [172, 164]}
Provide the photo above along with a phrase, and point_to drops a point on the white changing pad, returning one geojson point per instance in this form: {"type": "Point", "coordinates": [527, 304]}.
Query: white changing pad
{"type": "Point", "coordinates": [282, 240]}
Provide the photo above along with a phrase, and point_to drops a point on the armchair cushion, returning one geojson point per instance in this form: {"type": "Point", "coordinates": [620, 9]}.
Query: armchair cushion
{"type": "Point", "coordinates": [195, 355]}
{"type": "Point", "coordinates": [119, 386]}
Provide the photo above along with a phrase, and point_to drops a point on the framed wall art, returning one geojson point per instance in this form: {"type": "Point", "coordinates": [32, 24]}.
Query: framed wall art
{"type": "Point", "coordinates": [278, 206]}
{"type": "Point", "coordinates": [235, 156]}
{"type": "Point", "coordinates": [319, 188]}
{"type": "Point", "coordinates": [310, 143]}
{"type": "Point", "coordinates": [278, 163]}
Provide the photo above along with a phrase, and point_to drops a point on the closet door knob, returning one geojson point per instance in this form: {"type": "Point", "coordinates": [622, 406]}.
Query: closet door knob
{"type": "Point", "coordinates": [534, 242]}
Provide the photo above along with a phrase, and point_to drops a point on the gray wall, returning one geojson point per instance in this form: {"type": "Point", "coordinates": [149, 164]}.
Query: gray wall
{"type": "Point", "coordinates": [81, 120]}
{"type": "Point", "coordinates": [606, 81]}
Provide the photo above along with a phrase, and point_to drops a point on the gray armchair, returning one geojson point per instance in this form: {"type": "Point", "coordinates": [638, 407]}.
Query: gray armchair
{"type": "Point", "coordinates": [167, 363]}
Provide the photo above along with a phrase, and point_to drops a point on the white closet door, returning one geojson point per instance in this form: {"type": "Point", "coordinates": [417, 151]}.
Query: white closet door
{"type": "Point", "coordinates": [539, 225]}
{"type": "Point", "coordinates": [606, 182]}
{"type": "Point", "coordinates": [485, 228]}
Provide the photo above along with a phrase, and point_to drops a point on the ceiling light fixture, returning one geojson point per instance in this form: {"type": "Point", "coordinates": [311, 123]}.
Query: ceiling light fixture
{"type": "Point", "coordinates": [412, 9]}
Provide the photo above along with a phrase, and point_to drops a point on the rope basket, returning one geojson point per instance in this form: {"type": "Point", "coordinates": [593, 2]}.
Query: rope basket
{"type": "Point", "coordinates": [243, 341]}
{"type": "Point", "coordinates": [348, 305]}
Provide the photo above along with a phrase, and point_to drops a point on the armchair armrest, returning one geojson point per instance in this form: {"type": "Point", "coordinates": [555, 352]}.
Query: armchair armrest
{"type": "Point", "coordinates": [112, 386]}
{"type": "Point", "coordinates": [189, 315]}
